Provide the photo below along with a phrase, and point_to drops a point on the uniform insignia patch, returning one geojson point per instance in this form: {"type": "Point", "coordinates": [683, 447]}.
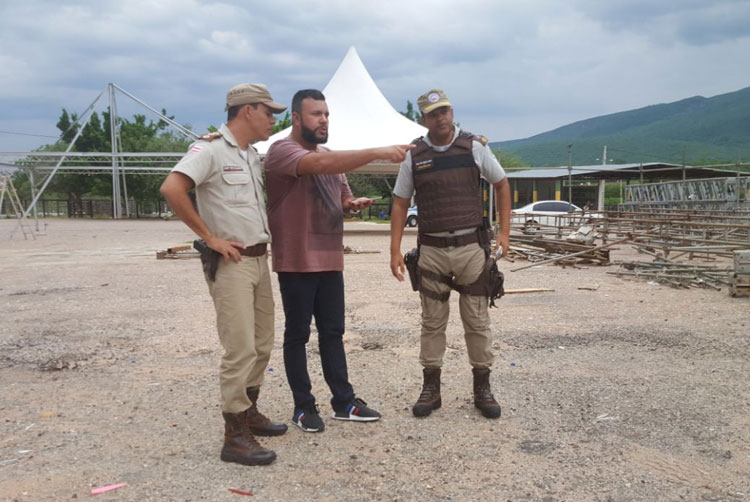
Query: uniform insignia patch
{"type": "Point", "coordinates": [195, 148]}
{"type": "Point", "coordinates": [232, 169]}
{"type": "Point", "coordinates": [482, 139]}
{"type": "Point", "coordinates": [210, 136]}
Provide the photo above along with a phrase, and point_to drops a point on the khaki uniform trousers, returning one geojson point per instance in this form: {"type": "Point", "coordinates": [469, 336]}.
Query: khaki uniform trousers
{"type": "Point", "coordinates": [464, 263]}
{"type": "Point", "coordinates": [245, 321]}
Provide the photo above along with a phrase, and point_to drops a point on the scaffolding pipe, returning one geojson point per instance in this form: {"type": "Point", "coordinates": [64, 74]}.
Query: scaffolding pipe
{"type": "Point", "coordinates": [116, 203]}
{"type": "Point", "coordinates": [59, 163]}
{"type": "Point", "coordinates": [33, 192]}
{"type": "Point", "coordinates": [183, 130]}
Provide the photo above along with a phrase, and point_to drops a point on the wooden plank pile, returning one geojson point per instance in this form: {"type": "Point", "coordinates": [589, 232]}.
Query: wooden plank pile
{"type": "Point", "coordinates": [536, 249]}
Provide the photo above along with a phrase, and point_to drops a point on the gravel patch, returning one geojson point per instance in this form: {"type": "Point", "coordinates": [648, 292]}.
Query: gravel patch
{"type": "Point", "coordinates": [624, 391]}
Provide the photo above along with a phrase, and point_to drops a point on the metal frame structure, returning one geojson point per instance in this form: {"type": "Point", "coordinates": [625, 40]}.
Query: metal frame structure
{"type": "Point", "coordinates": [6, 186]}
{"type": "Point", "coordinates": [699, 194]}
{"type": "Point", "coordinates": [114, 162]}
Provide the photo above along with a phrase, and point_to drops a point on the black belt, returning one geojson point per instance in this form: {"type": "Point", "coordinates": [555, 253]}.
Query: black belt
{"type": "Point", "coordinates": [444, 242]}
{"type": "Point", "coordinates": [257, 250]}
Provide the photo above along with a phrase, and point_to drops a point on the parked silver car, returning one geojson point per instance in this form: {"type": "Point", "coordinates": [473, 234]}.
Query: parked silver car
{"type": "Point", "coordinates": [544, 212]}
{"type": "Point", "coordinates": [411, 217]}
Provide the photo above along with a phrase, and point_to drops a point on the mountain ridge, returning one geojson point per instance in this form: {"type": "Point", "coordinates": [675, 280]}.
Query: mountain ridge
{"type": "Point", "coordinates": [694, 130]}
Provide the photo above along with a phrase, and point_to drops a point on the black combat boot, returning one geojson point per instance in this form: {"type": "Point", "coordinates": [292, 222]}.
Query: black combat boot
{"type": "Point", "coordinates": [240, 446]}
{"type": "Point", "coordinates": [258, 423]}
{"type": "Point", "coordinates": [483, 398]}
{"type": "Point", "coordinates": [429, 399]}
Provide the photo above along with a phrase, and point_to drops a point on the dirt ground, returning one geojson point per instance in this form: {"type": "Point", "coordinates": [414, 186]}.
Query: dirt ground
{"type": "Point", "coordinates": [625, 391]}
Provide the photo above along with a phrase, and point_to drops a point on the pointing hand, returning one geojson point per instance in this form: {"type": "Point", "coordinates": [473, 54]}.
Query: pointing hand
{"type": "Point", "coordinates": [396, 153]}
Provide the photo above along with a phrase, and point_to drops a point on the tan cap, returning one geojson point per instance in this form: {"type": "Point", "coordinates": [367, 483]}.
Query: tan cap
{"type": "Point", "coordinates": [434, 98]}
{"type": "Point", "coordinates": [248, 94]}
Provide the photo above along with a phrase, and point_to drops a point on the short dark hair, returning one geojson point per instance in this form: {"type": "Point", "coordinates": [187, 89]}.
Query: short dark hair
{"type": "Point", "coordinates": [305, 93]}
{"type": "Point", "coordinates": [234, 110]}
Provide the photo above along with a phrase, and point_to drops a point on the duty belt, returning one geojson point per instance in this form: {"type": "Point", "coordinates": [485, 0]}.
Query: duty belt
{"type": "Point", "coordinates": [444, 242]}
{"type": "Point", "coordinates": [257, 250]}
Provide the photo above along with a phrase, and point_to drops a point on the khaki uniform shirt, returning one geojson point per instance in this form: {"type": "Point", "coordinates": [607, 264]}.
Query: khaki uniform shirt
{"type": "Point", "coordinates": [229, 189]}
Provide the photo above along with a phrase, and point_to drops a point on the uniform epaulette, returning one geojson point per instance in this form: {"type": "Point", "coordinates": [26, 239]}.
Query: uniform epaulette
{"type": "Point", "coordinates": [210, 136]}
{"type": "Point", "coordinates": [420, 145]}
{"type": "Point", "coordinates": [482, 139]}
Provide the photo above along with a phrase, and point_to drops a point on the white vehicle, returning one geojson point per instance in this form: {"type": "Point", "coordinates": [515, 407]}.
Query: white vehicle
{"type": "Point", "coordinates": [546, 212]}
{"type": "Point", "coordinates": [411, 217]}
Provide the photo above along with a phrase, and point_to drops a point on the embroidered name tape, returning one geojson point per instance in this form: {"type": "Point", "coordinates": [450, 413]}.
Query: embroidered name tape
{"type": "Point", "coordinates": [423, 164]}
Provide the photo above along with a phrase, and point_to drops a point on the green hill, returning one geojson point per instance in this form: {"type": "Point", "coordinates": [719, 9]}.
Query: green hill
{"type": "Point", "coordinates": [699, 130]}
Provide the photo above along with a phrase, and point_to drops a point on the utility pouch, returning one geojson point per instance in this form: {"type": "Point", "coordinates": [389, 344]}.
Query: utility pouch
{"type": "Point", "coordinates": [485, 235]}
{"type": "Point", "coordinates": [495, 282]}
{"type": "Point", "coordinates": [209, 258]}
{"type": "Point", "coordinates": [410, 260]}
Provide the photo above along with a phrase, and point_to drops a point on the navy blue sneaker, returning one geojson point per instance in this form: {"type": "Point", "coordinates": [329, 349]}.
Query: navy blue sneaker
{"type": "Point", "coordinates": [308, 419]}
{"type": "Point", "coordinates": [358, 411]}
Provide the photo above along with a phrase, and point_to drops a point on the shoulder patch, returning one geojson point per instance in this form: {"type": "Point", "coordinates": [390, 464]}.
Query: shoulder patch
{"type": "Point", "coordinates": [482, 139]}
{"type": "Point", "coordinates": [420, 145]}
{"type": "Point", "coordinates": [210, 136]}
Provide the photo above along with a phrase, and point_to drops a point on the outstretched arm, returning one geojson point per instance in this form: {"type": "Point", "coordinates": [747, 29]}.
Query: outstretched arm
{"type": "Point", "coordinates": [345, 161]}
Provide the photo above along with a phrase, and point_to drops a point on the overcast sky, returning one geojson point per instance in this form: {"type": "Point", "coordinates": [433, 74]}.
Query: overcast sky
{"type": "Point", "coordinates": [512, 69]}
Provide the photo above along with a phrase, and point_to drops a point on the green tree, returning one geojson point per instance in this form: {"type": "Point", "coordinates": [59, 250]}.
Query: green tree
{"type": "Point", "coordinates": [136, 135]}
{"type": "Point", "coordinates": [22, 185]}
{"type": "Point", "coordinates": [141, 136]}
{"type": "Point", "coordinates": [65, 126]}
{"type": "Point", "coordinates": [411, 113]}
{"type": "Point", "coordinates": [282, 124]}
{"type": "Point", "coordinates": [92, 139]}
{"type": "Point", "coordinates": [509, 160]}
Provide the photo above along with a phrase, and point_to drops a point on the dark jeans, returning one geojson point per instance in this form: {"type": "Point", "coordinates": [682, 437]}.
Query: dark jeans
{"type": "Point", "coordinates": [318, 294]}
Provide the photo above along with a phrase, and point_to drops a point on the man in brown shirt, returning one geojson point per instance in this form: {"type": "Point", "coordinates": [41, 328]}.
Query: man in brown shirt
{"type": "Point", "coordinates": [307, 196]}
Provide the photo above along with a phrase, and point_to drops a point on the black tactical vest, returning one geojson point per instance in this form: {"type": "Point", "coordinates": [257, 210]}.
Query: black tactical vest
{"type": "Point", "coordinates": [447, 185]}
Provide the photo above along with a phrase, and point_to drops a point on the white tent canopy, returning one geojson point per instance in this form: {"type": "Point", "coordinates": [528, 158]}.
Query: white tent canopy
{"type": "Point", "coordinates": [361, 117]}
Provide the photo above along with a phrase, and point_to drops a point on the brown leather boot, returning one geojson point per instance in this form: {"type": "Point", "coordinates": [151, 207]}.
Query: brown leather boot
{"type": "Point", "coordinates": [240, 446]}
{"type": "Point", "coordinates": [429, 399]}
{"type": "Point", "coordinates": [483, 398]}
{"type": "Point", "coordinates": [259, 424]}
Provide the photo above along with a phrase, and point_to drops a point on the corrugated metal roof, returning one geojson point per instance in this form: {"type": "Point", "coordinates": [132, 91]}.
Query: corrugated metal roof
{"type": "Point", "coordinates": [650, 170]}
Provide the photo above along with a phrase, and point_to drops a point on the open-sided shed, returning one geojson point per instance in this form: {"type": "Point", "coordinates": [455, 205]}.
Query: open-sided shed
{"type": "Point", "coordinates": [562, 183]}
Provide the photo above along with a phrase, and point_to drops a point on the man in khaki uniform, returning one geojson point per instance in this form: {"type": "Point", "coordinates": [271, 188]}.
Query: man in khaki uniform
{"type": "Point", "coordinates": [224, 169]}
{"type": "Point", "coordinates": [443, 173]}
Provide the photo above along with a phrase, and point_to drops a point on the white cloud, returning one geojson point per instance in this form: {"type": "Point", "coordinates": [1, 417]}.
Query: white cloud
{"type": "Point", "coordinates": [512, 69]}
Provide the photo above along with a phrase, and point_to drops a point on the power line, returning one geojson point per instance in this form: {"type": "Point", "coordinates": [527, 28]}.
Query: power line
{"type": "Point", "coordinates": [27, 134]}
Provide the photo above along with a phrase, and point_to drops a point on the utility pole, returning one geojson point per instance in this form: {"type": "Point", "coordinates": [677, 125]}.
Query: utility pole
{"type": "Point", "coordinates": [602, 184]}
{"type": "Point", "coordinates": [114, 130]}
{"type": "Point", "coordinates": [570, 177]}
{"type": "Point", "coordinates": [684, 173]}
{"type": "Point", "coordinates": [33, 197]}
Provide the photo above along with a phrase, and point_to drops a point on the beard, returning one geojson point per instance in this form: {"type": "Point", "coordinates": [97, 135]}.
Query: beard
{"type": "Point", "coordinates": [309, 135]}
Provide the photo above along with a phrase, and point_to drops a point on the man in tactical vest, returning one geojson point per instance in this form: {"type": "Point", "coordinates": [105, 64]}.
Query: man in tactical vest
{"type": "Point", "coordinates": [443, 173]}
